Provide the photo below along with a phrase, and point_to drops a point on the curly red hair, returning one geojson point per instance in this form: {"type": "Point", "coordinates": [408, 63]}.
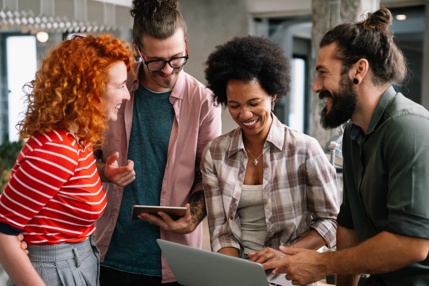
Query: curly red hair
{"type": "Point", "coordinates": [69, 88]}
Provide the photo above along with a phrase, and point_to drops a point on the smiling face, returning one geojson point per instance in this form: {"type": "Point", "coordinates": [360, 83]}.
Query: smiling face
{"type": "Point", "coordinates": [250, 106]}
{"type": "Point", "coordinates": [335, 87]}
{"type": "Point", "coordinates": [154, 49]}
{"type": "Point", "coordinates": [116, 90]}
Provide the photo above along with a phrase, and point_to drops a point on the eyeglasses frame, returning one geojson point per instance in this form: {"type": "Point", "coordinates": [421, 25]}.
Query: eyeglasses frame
{"type": "Point", "coordinates": [164, 62]}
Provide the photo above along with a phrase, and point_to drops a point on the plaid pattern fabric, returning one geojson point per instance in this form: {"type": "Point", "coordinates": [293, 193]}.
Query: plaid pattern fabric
{"type": "Point", "coordinates": [299, 188]}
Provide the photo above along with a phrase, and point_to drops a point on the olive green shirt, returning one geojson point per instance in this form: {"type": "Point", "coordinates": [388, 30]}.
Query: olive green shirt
{"type": "Point", "coordinates": [386, 179]}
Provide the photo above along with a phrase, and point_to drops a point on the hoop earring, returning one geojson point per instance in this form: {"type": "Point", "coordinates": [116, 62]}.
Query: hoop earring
{"type": "Point", "coordinates": [355, 81]}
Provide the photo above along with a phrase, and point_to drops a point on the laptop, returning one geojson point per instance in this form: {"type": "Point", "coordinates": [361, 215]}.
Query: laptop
{"type": "Point", "coordinates": [196, 267]}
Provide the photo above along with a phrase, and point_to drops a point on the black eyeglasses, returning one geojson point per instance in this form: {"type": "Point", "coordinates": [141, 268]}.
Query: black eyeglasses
{"type": "Point", "coordinates": [157, 65]}
{"type": "Point", "coordinates": [175, 63]}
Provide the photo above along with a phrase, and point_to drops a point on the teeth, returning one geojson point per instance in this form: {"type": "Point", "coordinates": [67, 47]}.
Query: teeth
{"type": "Point", "coordinates": [118, 106]}
{"type": "Point", "coordinates": [250, 123]}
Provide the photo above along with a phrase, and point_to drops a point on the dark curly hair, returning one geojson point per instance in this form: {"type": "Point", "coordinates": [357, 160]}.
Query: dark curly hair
{"type": "Point", "coordinates": [245, 59]}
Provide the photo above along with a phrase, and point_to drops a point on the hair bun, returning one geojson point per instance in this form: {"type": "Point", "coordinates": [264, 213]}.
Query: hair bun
{"type": "Point", "coordinates": [146, 6]}
{"type": "Point", "coordinates": [379, 20]}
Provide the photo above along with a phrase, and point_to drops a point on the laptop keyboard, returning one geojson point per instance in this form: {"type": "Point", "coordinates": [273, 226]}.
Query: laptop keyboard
{"type": "Point", "coordinates": [273, 284]}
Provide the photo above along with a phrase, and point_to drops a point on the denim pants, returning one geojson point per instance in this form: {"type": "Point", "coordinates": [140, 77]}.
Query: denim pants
{"type": "Point", "coordinates": [66, 264]}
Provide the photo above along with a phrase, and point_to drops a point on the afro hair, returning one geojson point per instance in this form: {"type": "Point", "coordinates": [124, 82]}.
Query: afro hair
{"type": "Point", "coordinates": [246, 59]}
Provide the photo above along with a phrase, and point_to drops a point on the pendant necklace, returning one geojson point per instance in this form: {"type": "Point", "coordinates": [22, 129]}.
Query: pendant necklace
{"type": "Point", "coordinates": [256, 159]}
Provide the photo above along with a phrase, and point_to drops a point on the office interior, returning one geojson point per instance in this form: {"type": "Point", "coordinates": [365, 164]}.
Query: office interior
{"type": "Point", "coordinates": [30, 28]}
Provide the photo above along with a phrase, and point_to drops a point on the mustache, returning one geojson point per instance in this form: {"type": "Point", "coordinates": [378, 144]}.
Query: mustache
{"type": "Point", "coordinates": [325, 93]}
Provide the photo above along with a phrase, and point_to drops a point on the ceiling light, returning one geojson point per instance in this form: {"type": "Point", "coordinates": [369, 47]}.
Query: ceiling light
{"type": "Point", "coordinates": [401, 17]}
{"type": "Point", "coordinates": [42, 37]}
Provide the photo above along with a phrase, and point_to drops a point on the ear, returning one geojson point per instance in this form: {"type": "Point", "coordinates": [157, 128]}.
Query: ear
{"type": "Point", "coordinates": [273, 98]}
{"type": "Point", "coordinates": [360, 70]}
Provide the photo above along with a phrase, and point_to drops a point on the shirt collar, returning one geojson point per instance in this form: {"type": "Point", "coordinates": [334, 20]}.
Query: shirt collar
{"type": "Point", "coordinates": [133, 81]}
{"type": "Point", "coordinates": [381, 107]}
{"type": "Point", "coordinates": [377, 114]}
{"type": "Point", "coordinates": [276, 137]}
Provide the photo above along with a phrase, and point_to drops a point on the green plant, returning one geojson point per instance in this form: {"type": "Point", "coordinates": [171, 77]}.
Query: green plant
{"type": "Point", "coordinates": [9, 152]}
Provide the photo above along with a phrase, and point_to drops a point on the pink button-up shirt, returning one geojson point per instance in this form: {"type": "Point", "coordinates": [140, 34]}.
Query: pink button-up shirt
{"type": "Point", "coordinates": [197, 122]}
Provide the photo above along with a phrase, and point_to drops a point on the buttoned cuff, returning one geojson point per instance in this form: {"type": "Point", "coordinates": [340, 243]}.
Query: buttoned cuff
{"type": "Point", "coordinates": [408, 225]}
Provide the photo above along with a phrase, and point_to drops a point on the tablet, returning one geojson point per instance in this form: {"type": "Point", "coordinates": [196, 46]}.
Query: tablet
{"type": "Point", "coordinates": [174, 212]}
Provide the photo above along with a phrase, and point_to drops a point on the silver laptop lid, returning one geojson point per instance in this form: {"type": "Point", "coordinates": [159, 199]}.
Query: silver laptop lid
{"type": "Point", "coordinates": [196, 267]}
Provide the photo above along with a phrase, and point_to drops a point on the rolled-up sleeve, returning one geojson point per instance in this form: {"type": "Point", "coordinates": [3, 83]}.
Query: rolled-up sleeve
{"type": "Point", "coordinates": [322, 194]}
{"type": "Point", "coordinates": [220, 233]}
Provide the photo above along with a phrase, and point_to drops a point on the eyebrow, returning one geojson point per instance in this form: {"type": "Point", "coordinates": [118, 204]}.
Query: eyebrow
{"type": "Point", "coordinates": [231, 101]}
{"type": "Point", "coordinates": [173, 56]}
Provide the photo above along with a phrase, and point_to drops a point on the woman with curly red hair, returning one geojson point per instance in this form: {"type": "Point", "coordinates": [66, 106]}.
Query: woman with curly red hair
{"type": "Point", "coordinates": [54, 194]}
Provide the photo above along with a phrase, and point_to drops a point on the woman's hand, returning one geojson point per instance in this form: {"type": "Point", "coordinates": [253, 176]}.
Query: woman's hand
{"type": "Point", "coordinates": [20, 238]}
{"type": "Point", "coordinates": [16, 262]}
{"type": "Point", "coordinates": [265, 255]}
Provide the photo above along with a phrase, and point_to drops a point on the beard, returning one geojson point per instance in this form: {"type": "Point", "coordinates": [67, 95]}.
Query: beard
{"type": "Point", "coordinates": [343, 104]}
{"type": "Point", "coordinates": [165, 83]}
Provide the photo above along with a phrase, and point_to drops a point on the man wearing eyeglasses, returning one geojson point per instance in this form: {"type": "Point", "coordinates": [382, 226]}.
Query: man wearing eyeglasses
{"type": "Point", "coordinates": [152, 154]}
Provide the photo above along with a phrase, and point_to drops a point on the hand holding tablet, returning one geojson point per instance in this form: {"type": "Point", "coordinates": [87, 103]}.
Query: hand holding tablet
{"type": "Point", "coordinates": [174, 212]}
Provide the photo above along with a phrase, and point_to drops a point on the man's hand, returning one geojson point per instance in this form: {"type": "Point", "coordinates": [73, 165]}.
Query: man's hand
{"type": "Point", "coordinates": [302, 266]}
{"type": "Point", "coordinates": [195, 213]}
{"type": "Point", "coordinates": [265, 255]}
{"type": "Point", "coordinates": [20, 238]}
{"type": "Point", "coordinates": [183, 225]}
{"type": "Point", "coordinates": [120, 176]}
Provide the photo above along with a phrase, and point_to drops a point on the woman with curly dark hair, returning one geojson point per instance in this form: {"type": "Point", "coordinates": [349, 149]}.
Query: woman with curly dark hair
{"type": "Point", "coordinates": [265, 184]}
{"type": "Point", "coordinates": [54, 195]}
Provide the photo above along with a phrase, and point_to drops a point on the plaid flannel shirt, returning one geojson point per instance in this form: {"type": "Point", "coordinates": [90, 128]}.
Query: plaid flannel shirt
{"type": "Point", "coordinates": [299, 188]}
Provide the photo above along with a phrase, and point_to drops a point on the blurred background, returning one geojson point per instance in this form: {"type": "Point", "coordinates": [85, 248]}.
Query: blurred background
{"type": "Point", "coordinates": [30, 28]}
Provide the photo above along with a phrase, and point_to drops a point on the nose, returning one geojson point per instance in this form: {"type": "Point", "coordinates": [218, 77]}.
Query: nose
{"type": "Point", "coordinates": [245, 113]}
{"type": "Point", "coordinates": [318, 85]}
{"type": "Point", "coordinates": [167, 69]}
{"type": "Point", "coordinates": [126, 95]}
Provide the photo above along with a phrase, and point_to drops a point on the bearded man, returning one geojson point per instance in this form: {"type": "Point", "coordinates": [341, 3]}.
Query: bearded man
{"type": "Point", "coordinates": [383, 224]}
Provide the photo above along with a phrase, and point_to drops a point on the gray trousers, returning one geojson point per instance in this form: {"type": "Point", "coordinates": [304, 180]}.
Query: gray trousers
{"type": "Point", "coordinates": [66, 264]}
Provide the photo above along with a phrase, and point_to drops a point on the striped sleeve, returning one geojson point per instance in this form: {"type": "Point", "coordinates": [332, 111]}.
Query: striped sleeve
{"type": "Point", "coordinates": [39, 173]}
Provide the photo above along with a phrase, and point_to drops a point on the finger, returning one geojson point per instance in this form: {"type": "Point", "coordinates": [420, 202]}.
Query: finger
{"type": "Point", "coordinates": [23, 245]}
{"type": "Point", "coordinates": [130, 164]}
{"type": "Point", "coordinates": [264, 258]}
{"type": "Point", "coordinates": [289, 250]}
{"type": "Point", "coordinates": [275, 264]}
{"type": "Point", "coordinates": [251, 254]}
{"type": "Point", "coordinates": [166, 218]}
{"type": "Point", "coordinates": [188, 211]}
{"type": "Point", "coordinates": [123, 184]}
{"type": "Point", "coordinates": [112, 171]}
{"type": "Point", "coordinates": [112, 158]}
{"type": "Point", "coordinates": [26, 252]}
{"type": "Point", "coordinates": [154, 220]}
{"type": "Point", "coordinates": [258, 256]}
{"type": "Point", "coordinates": [123, 178]}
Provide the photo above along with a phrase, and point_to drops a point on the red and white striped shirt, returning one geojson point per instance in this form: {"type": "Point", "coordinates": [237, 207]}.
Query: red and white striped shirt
{"type": "Point", "coordinates": [54, 194]}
